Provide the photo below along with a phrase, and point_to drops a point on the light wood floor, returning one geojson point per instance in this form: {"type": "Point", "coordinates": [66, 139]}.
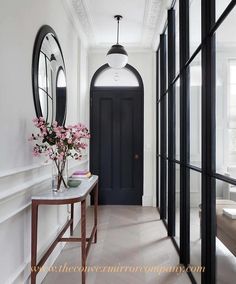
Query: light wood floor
{"type": "Point", "coordinates": [127, 236]}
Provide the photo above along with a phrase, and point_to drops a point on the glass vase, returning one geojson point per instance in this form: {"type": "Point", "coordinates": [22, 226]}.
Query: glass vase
{"type": "Point", "coordinates": [59, 175]}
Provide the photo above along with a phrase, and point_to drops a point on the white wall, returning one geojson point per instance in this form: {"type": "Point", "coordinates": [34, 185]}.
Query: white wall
{"type": "Point", "coordinates": [83, 87]}
{"type": "Point", "coordinates": [20, 173]}
{"type": "Point", "coordinates": [144, 62]}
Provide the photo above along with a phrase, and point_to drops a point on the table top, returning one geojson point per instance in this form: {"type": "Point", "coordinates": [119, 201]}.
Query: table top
{"type": "Point", "coordinates": [73, 193]}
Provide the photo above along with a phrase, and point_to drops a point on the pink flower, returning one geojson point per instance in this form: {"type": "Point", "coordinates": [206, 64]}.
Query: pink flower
{"type": "Point", "coordinates": [58, 134]}
{"type": "Point", "coordinates": [55, 124]}
{"type": "Point", "coordinates": [58, 142]}
{"type": "Point", "coordinates": [36, 151]}
{"type": "Point", "coordinates": [77, 134]}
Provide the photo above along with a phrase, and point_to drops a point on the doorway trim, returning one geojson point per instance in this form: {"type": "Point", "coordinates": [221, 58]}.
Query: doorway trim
{"type": "Point", "coordinates": [140, 92]}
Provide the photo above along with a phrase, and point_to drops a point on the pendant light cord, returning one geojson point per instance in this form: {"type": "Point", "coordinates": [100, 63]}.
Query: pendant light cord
{"type": "Point", "coordinates": [118, 29]}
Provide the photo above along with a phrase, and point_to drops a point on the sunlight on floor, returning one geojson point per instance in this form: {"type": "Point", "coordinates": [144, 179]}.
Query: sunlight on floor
{"type": "Point", "coordinates": [127, 236]}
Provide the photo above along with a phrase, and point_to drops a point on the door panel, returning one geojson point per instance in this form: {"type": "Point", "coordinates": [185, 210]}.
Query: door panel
{"type": "Point", "coordinates": [106, 142]}
{"type": "Point", "coordinates": [126, 144]}
{"type": "Point", "coordinates": [117, 145]}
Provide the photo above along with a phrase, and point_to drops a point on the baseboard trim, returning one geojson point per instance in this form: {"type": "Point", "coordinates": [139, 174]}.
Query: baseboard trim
{"type": "Point", "coordinates": [147, 200]}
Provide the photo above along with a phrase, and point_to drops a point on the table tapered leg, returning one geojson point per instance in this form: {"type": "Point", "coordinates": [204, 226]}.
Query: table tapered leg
{"type": "Point", "coordinates": [83, 239]}
{"type": "Point", "coordinates": [34, 228]}
{"type": "Point", "coordinates": [72, 218]}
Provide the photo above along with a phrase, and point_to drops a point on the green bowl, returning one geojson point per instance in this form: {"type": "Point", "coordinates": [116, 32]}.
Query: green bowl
{"type": "Point", "coordinates": [73, 183]}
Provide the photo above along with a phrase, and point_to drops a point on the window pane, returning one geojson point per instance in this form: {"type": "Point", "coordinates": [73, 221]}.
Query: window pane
{"type": "Point", "coordinates": [116, 77]}
{"type": "Point", "coordinates": [195, 111]}
{"type": "Point", "coordinates": [232, 141]}
{"type": "Point", "coordinates": [166, 33]}
{"type": "Point", "coordinates": [159, 127]}
{"type": "Point", "coordinates": [167, 191]}
{"type": "Point", "coordinates": [177, 120]}
{"type": "Point", "coordinates": [159, 180]}
{"type": "Point", "coordinates": [177, 204]}
{"type": "Point", "coordinates": [226, 96]}
{"type": "Point", "coordinates": [225, 232]}
{"type": "Point", "coordinates": [159, 76]}
{"type": "Point", "coordinates": [232, 71]}
{"type": "Point", "coordinates": [232, 89]}
{"type": "Point", "coordinates": [177, 36]}
{"type": "Point", "coordinates": [195, 228]}
{"type": "Point", "coordinates": [221, 6]}
{"type": "Point", "coordinates": [194, 24]}
{"type": "Point", "coordinates": [166, 98]}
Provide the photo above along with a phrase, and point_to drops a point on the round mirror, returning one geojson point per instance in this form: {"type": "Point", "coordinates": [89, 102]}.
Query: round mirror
{"type": "Point", "coordinates": [49, 78]}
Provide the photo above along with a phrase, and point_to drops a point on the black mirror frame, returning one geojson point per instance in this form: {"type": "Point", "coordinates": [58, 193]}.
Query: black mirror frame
{"type": "Point", "coordinates": [43, 31]}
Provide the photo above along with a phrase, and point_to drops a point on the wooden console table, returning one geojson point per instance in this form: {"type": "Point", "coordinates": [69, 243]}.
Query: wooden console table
{"type": "Point", "coordinates": [71, 196]}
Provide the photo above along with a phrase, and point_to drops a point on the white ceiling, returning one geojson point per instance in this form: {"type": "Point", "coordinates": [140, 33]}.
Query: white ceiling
{"type": "Point", "coordinates": [142, 21]}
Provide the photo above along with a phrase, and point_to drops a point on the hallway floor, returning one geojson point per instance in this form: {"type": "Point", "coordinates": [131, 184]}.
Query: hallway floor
{"type": "Point", "coordinates": [127, 236]}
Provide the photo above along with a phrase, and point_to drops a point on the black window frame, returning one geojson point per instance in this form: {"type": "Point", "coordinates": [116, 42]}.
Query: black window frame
{"type": "Point", "coordinates": [209, 26]}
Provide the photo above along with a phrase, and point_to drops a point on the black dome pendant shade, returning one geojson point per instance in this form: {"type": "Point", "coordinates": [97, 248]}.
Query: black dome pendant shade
{"type": "Point", "coordinates": [117, 56]}
{"type": "Point", "coordinates": [117, 48]}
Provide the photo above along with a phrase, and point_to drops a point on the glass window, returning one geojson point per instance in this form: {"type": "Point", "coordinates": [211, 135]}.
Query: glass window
{"type": "Point", "coordinates": [177, 203]}
{"type": "Point", "coordinates": [177, 37]}
{"type": "Point", "coordinates": [195, 111]}
{"type": "Point", "coordinates": [116, 77]}
{"type": "Point", "coordinates": [159, 128]}
{"type": "Point", "coordinates": [159, 180]}
{"type": "Point", "coordinates": [166, 36]}
{"type": "Point", "coordinates": [166, 190]}
{"type": "Point", "coordinates": [159, 76]}
{"type": "Point", "coordinates": [195, 222]}
{"type": "Point", "coordinates": [226, 97]}
{"type": "Point", "coordinates": [226, 232]}
{"type": "Point", "coordinates": [166, 99]}
{"type": "Point", "coordinates": [221, 6]}
{"type": "Point", "coordinates": [194, 24]}
{"type": "Point", "coordinates": [177, 119]}
{"type": "Point", "coordinates": [158, 141]}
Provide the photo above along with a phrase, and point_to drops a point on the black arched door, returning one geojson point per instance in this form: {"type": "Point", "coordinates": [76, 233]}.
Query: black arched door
{"type": "Point", "coordinates": [116, 155]}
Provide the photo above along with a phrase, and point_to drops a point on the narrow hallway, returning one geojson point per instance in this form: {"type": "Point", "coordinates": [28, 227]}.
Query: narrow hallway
{"type": "Point", "coordinates": [129, 236]}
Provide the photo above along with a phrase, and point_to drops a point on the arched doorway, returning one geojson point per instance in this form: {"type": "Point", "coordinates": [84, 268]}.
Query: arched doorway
{"type": "Point", "coordinates": [116, 124]}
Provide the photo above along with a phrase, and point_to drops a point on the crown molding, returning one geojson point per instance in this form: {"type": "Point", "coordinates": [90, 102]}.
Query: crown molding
{"type": "Point", "coordinates": [81, 11]}
{"type": "Point", "coordinates": [73, 18]}
{"type": "Point", "coordinates": [154, 18]}
{"type": "Point", "coordinates": [162, 18]}
{"type": "Point", "coordinates": [150, 19]}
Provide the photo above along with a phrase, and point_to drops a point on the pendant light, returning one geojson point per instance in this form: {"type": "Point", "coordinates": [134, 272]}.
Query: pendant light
{"type": "Point", "coordinates": [117, 56]}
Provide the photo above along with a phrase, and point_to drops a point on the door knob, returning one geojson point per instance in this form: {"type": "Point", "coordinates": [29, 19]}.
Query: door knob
{"type": "Point", "coordinates": [136, 156]}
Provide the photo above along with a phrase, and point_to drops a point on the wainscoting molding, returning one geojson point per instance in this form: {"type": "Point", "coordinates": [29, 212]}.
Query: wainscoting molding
{"type": "Point", "coordinates": [20, 197]}
{"type": "Point", "coordinates": [22, 274]}
{"type": "Point", "coordinates": [16, 188]}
